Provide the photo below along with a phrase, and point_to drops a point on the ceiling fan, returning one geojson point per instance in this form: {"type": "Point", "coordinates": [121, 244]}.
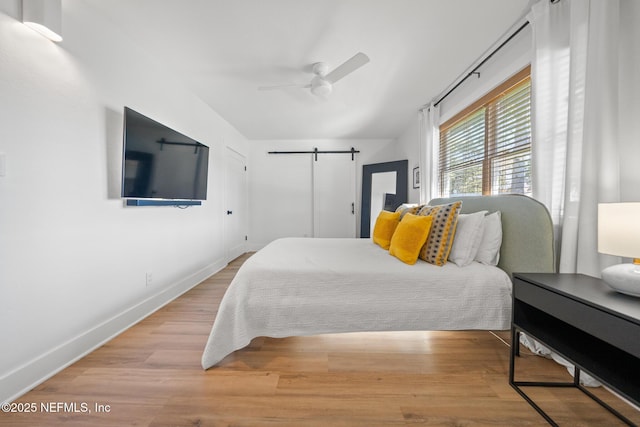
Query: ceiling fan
{"type": "Point", "coordinates": [322, 82]}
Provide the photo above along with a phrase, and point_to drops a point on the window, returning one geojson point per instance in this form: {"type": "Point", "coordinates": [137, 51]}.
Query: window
{"type": "Point", "coordinates": [486, 149]}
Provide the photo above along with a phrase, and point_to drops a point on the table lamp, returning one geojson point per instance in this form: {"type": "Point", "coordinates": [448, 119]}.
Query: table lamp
{"type": "Point", "coordinates": [619, 234]}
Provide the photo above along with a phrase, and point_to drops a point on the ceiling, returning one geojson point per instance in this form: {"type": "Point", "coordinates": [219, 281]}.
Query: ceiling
{"type": "Point", "coordinates": [225, 49]}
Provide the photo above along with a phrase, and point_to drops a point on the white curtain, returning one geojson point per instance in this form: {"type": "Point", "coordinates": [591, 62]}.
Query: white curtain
{"type": "Point", "coordinates": [429, 140]}
{"type": "Point", "coordinates": [575, 109]}
{"type": "Point", "coordinates": [574, 74]}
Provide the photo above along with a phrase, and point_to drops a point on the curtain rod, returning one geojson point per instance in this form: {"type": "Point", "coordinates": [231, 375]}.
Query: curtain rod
{"type": "Point", "coordinates": [524, 21]}
{"type": "Point", "coordinates": [484, 61]}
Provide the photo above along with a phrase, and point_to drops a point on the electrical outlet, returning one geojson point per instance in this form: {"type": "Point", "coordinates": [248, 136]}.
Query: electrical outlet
{"type": "Point", "coordinates": [149, 279]}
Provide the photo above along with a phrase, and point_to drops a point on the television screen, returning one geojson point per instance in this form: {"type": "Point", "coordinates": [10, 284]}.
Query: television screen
{"type": "Point", "coordinates": [160, 163]}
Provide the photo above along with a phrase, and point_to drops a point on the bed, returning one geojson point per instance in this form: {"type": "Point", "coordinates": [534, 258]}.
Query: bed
{"type": "Point", "coordinates": [307, 286]}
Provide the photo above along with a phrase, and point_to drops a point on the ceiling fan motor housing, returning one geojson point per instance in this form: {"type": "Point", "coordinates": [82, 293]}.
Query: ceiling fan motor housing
{"type": "Point", "coordinates": [320, 86]}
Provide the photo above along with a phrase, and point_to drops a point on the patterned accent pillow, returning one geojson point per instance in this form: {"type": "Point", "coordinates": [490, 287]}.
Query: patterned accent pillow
{"type": "Point", "coordinates": [445, 217]}
{"type": "Point", "coordinates": [406, 208]}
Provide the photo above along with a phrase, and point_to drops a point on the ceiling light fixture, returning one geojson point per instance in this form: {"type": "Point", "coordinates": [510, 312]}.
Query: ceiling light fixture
{"type": "Point", "coordinates": [44, 16]}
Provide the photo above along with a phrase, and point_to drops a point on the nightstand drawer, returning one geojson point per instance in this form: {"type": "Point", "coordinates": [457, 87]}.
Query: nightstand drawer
{"type": "Point", "coordinates": [601, 324]}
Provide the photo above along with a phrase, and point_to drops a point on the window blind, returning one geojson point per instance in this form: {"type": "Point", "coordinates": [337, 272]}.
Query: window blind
{"type": "Point", "coordinates": [488, 149]}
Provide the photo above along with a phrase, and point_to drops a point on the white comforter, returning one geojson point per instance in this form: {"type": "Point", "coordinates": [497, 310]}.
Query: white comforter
{"type": "Point", "coordinates": [305, 286]}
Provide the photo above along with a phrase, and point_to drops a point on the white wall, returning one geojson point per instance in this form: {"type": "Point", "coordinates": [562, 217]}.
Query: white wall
{"type": "Point", "coordinates": [280, 185]}
{"type": "Point", "coordinates": [73, 259]}
{"type": "Point", "coordinates": [407, 146]}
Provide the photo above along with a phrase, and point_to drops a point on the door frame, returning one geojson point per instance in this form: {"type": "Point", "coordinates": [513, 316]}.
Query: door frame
{"type": "Point", "coordinates": [229, 255]}
{"type": "Point", "coordinates": [401, 167]}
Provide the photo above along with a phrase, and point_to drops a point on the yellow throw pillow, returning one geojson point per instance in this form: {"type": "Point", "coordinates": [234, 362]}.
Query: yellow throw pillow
{"type": "Point", "coordinates": [385, 226]}
{"type": "Point", "coordinates": [410, 236]}
{"type": "Point", "coordinates": [445, 217]}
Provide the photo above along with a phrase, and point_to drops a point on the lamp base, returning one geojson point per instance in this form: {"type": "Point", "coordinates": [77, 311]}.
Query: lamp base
{"type": "Point", "coordinates": [623, 278]}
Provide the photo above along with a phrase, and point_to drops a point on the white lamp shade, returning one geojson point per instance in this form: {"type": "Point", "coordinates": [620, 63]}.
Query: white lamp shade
{"type": "Point", "coordinates": [44, 16]}
{"type": "Point", "coordinates": [619, 229]}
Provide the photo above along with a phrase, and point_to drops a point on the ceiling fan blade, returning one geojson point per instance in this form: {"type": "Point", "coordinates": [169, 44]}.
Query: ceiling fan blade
{"type": "Point", "coordinates": [357, 61]}
{"type": "Point", "coordinates": [276, 87]}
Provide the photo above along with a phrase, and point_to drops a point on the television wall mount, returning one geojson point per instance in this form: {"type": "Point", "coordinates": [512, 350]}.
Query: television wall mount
{"type": "Point", "coordinates": [164, 142]}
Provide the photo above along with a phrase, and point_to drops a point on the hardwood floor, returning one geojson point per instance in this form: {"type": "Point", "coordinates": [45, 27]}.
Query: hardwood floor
{"type": "Point", "coordinates": [151, 376]}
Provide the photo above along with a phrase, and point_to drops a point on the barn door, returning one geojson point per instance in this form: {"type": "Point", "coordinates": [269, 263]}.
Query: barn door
{"type": "Point", "coordinates": [334, 196]}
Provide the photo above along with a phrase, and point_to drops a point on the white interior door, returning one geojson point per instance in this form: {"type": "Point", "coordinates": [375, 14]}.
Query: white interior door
{"type": "Point", "coordinates": [235, 224]}
{"type": "Point", "coordinates": [334, 196]}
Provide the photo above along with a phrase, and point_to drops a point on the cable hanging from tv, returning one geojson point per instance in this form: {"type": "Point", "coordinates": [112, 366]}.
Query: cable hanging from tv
{"type": "Point", "coordinates": [315, 152]}
{"type": "Point", "coordinates": [163, 142]}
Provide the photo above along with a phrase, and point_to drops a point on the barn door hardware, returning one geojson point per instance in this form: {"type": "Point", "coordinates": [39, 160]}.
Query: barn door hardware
{"type": "Point", "coordinates": [315, 152]}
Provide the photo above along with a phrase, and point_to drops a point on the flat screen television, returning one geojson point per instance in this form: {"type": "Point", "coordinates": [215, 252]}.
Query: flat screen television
{"type": "Point", "coordinates": [161, 163]}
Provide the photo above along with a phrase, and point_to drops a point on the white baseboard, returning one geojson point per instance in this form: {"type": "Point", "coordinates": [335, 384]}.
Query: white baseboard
{"type": "Point", "coordinates": [22, 379]}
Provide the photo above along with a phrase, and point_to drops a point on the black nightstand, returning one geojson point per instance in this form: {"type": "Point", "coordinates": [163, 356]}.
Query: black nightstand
{"type": "Point", "coordinates": [586, 322]}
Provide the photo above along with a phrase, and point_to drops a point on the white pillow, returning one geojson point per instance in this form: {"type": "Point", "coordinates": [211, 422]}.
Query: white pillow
{"type": "Point", "coordinates": [466, 241]}
{"type": "Point", "coordinates": [489, 250]}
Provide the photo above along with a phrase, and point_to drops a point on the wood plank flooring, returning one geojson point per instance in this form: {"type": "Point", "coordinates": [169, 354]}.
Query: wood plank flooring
{"type": "Point", "coordinates": [151, 376]}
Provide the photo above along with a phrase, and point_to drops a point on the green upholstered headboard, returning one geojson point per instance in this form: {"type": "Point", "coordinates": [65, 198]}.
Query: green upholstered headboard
{"type": "Point", "coordinates": [527, 230]}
